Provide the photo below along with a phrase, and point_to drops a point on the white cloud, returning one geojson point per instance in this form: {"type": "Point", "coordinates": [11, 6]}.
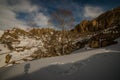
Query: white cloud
{"type": "Point", "coordinates": [8, 14]}
{"type": "Point", "coordinates": [92, 11]}
{"type": "Point", "coordinates": [8, 18]}
{"type": "Point", "coordinates": [41, 20]}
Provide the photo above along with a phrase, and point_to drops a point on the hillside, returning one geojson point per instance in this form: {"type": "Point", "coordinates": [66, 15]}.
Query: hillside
{"type": "Point", "coordinates": [96, 64]}
{"type": "Point", "coordinates": [105, 27]}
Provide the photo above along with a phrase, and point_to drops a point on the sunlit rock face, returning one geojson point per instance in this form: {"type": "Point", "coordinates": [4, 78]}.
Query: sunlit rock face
{"type": "Point", "coordinates": [105, 20]}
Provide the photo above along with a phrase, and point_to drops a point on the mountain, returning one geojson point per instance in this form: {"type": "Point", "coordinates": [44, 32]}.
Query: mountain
{"type": "Point", "coordinates": [108, 19]}
{"type": "Point", "coordinates": [32, 44]}
{"type": "Point", "coordinates": [105, 27]}
{"type": "Point", "coordinates": [35, 43]}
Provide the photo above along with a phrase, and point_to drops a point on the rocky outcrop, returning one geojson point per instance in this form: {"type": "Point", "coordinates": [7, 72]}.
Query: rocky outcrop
{"type": "Point", "coordinates": [102, 22]}
{"type": "Point", "coordinates": [83, 26]}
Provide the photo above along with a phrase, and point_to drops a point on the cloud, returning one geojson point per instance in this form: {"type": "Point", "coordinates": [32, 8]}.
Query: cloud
{"type": "Point", "coordinates": [10, 9]}
{"type": "Point", "coordinates": [8, 19]}
{"type": "Point", "coordinates": [92, 11]}
{"type": "Point", "coordinates": [41, 20]}
{"type": "Point", "coordinates": [24, 6]}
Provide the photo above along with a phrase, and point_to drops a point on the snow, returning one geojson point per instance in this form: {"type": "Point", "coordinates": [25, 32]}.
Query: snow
{"type": "Point", "coordinates": [102, 62]}
{"type": "Point", "coordinates": [29, 42]}
{"type": "Point", "coordinates": [31, 45]}
{"type": "Point", "coordinates": [2, 60]}
{"type": "Point", "coordinates": [3, 52]}
{"type": "Point", "coordinates": [59, 67]}
{"type": "Point", "coordinates": [15, 55]}
{"type": "Point", "coordinates": [20, 55]}
{"type": "Point", "coordinates": [1, 33]}
{"type": "Point", "coordinates": [3, 49]}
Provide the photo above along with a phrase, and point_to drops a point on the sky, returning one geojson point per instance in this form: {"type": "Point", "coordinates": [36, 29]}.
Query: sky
{"type": "Point", "coordinates": [37, 13]}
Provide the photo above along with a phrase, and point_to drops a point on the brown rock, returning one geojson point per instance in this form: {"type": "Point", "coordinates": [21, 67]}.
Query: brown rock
{"type": "Point", "coordinates": [13, 62]}
{"type": "Point", "coordinates": [7, 58]}
{"type": "Point", "coordinates": [94, 44]}
{"type": "Point", "coordinates": [94, 23]}
{"type": "Point", "coordinates": [83, 25]}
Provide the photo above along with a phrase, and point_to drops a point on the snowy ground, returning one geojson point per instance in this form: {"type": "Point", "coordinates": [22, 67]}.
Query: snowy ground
{"type": "Point", "coordinates": [95, 64]}
{"type": "Point", "coordinates": [3, 52]}
{"type": "Point", "coordinates": [18, 56]}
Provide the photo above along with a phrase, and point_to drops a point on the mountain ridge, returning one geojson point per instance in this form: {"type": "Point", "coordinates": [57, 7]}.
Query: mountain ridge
{"type": "Point", "coordinates": [101, 22]}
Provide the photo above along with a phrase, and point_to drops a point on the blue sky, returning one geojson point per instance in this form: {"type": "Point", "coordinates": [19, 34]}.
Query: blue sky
{"type": "Point", "coordinates": [37, 13]}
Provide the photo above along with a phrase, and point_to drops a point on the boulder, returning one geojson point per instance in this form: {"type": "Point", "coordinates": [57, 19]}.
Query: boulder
{"type": "Point", "coordinates": [94, 44]}
{"type": "Point", "coordinates": [7, 58]}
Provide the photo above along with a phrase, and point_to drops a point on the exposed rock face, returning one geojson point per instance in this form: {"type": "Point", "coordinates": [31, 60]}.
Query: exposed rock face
{"type": "Point", "coordinates": [103, 21]}
{"type": "Point", "coordinates": [94, 23]}
{"type": "Point", "coordinates": [108, 18]}
{"type": "Point", "coordinates": [83, 25]}
{"type": "Point", "coordinates": [101, 24]}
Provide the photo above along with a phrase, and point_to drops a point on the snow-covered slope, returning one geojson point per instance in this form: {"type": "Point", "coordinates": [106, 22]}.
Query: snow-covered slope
{"type": "Point", "coordinates": [20, 45]}
{"type": "Point", "coordinates": [68, 67]}
{"type": "Point", "coordinates": [38, 43]}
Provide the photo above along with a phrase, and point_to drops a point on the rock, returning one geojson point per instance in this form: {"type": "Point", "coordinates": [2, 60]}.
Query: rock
{"type": "Point", "coordinates": [13, 62]}
{"type": "Point", "coordinates": [104, 43]}
{"type": "Point", "coordinates": [101, 22]}
{"type": "Point", "coordinates": [7, 58]}
{"type": "Point", "coordinates": [94, 23]}
{"type": "Point", "coordinates": [24, 59]}
{"type": "Point", "coordinates": [107, 43]}
{"type": "Point", "coordinates": [94, 44]}
{"type": "Point", "coordinates": [35, 56]}
{"type": "Point", "coordinates": [83, 25]}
